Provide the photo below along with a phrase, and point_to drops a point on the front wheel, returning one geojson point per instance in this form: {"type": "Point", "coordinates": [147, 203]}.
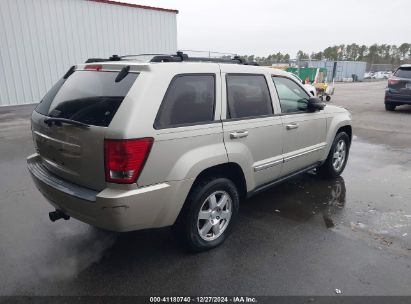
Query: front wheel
{"type": "Point", "coordinates": [337, 158]}
{"type": "Point", "coordinates": [208, 215]}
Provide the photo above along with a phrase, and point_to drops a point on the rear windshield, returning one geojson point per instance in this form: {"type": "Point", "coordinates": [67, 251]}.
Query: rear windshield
{"type": "Point", "coordinates": [403, 73]}
{"type": "Point", "coordinates": [87, 96]}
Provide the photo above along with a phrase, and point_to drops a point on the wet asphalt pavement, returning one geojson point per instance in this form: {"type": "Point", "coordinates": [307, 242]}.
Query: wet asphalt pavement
{"type": "Point", "coordinates": [305, 237]}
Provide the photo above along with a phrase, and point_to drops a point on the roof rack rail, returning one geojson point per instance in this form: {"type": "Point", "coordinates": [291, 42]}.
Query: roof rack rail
{"type": "Point", "coordinates": [178, 57]}
{"type": "Point", "coordinates": [112, 58]}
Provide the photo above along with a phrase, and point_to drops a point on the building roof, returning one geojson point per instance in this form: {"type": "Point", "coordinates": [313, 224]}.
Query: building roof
{"type": "Point", "coordinates": [136, 6]}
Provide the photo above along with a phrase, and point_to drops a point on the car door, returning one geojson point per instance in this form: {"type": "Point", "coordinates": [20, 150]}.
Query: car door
{"type": "Point", "coordinates": [304, 132]}
{"type": "Point", "coordinates": [252, 133]}
{"type": "Point", "coordinates": [188, 127]}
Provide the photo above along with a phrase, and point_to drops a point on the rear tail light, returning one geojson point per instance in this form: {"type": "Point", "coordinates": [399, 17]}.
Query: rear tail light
{"type": "Point", "coordinates": [393, 80]}
{"type": "Point", "coordinates": [124, 159]}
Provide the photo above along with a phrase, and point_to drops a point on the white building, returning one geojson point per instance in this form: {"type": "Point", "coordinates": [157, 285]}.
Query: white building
{"type": "Point", "coordinates": [41, 39]}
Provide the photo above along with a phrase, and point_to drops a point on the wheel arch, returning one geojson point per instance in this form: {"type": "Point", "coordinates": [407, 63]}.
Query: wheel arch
{"type": "Point", "coordinates": [230, 170]}
{"type": "Point", "coordinates": [347, 129]}
{"type": "Point", "coordinates": [340, 123]}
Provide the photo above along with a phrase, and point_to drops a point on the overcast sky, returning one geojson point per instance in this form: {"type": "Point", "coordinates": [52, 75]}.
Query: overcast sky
{"type": "Point", "coordinates": [263, 27]}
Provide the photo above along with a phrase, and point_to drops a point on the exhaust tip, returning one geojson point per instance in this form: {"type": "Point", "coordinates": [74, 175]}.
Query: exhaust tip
{"type": "Point", "coordinates": [56, 215]}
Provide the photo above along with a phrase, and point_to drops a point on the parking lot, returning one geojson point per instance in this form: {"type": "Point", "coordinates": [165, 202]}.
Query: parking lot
{"type": "Point", "coordinates": [304, 237]}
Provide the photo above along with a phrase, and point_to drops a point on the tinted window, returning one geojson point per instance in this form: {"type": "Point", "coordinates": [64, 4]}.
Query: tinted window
{"type": "Point", "coordinates": [403, 73]}
{"type": "Point", "coordinates": [88, 97]}
{"type": "Point", "coordinates": [44, 105]}
{"type": "Point", "coordinates": [189, 100]}
{"type": "Point", "coordinates": [292, 97]}
{"type": "Point", "coordinates": [248, 96]}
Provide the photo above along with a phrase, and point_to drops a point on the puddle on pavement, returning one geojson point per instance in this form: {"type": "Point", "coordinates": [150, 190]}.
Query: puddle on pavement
{"type": "Point", "coordinates": [370, 201]}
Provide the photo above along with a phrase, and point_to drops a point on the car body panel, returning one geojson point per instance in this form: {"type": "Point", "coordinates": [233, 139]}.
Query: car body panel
{"type": "Point", "coordinates": [259, 153]}
{"type": "Point", "coordinates": [119, 209]}
{"type": "Point", "coordinates": [303, 145]}
{"type": "Point", "coordinates": [75, 154]}
{"type": "Point", "coordinates": [336, 117]}
{"type": "Point", "coordinates": [178, 154]}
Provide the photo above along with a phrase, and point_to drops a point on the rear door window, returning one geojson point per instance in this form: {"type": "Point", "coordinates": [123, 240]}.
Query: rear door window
{"type": "Point", "coordinates": [403, 73]}
{"type": "Point", "coordinates": [248, 96]}
{"type": "Point", "coordinates": [87, 96]}
{"type": "Point", "coordinates": [190, 100]}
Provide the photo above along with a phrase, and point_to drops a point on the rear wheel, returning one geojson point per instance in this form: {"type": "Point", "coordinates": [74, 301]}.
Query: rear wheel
{"type": "Point", "coordinates": [389, 107]}
{"type": "Point", "coordinates": [208, 214]}
{"type": "Point", "coordinates": [337, 158]}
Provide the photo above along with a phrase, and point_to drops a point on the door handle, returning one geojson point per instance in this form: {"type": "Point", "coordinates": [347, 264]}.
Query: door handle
{"type": "Point", "coordinates": [239, 134]}
{"type": "Point", "coordinates": [291, 126]}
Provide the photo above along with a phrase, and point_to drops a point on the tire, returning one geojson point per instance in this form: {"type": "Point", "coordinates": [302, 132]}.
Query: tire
{"type": "Point", "coordinates": [332, 168]}
{"type": "Point", "coordinates": [320, 98]}
{"type": "Point", "coordinates": [198, 234]}
{"type": "Point", "coordinates": [389, 107]}
{"type": "Point", "coordinates": [328, 98]}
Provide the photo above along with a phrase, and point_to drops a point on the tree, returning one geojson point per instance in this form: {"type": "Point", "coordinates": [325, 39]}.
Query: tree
{"type": "Point", "coordinates": [317, 56]}
{"type": "Point", "coordinates": [372, 56]}
{"type": "Point", "coordinates": [352, 51]}
{"type": "Point", "coordinates": [341, 52]}
{"type": "Point", "coordinates": [362, 52]}
{"type": "Point", "coordinates": [286, 58]}
{"type": "Point", "coordinates": [404, 49]}
{"type": "Point", "coordinates": [301, 55]}
{"type": "Point", "coordinates": [376, 53]}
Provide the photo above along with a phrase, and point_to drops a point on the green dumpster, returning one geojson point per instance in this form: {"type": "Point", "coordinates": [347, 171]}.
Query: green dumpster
{"type": "Point", "coordinates": [311, 73]}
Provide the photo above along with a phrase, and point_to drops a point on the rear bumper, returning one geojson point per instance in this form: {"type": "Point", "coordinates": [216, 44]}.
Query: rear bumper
{"type": "Point", "coordinates": [113, 208]}
{"type": "Point", "coordinates": [396, 99]}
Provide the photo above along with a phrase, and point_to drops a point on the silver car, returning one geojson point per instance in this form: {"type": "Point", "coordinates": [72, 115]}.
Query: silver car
{"type": "Point", "coordinates": [177, 141]}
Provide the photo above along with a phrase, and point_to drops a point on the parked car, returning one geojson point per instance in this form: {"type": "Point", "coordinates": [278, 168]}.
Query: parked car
{"type": "Point", "coordinates": [310, 88]}
{"type": "Point", "coordinates": [124, 146]}
{"type": "Point", "coordinates": [398, 90]}
{"type": "Point", "coordinates": [383, 75]}
{"type": "Point", "coordinates": [378, 75]}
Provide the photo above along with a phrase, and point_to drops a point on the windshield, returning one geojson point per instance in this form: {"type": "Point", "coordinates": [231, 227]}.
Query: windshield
{"type": "Point", "coordinates": [87, 96]}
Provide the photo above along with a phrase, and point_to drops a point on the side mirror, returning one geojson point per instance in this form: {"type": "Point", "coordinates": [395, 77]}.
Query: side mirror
{"type": "Point", "coordinates": [314, 104]}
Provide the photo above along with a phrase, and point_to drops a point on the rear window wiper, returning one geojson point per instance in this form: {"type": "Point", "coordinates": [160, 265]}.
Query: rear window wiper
{"type": "Point", "coordinates": [58, 121]}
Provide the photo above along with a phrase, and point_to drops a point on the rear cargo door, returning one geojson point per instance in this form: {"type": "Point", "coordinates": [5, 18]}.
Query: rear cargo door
{"type": "Point", "coordinates": [76, 152]}
{"type": "Point", "coordinates": [401, 82]}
